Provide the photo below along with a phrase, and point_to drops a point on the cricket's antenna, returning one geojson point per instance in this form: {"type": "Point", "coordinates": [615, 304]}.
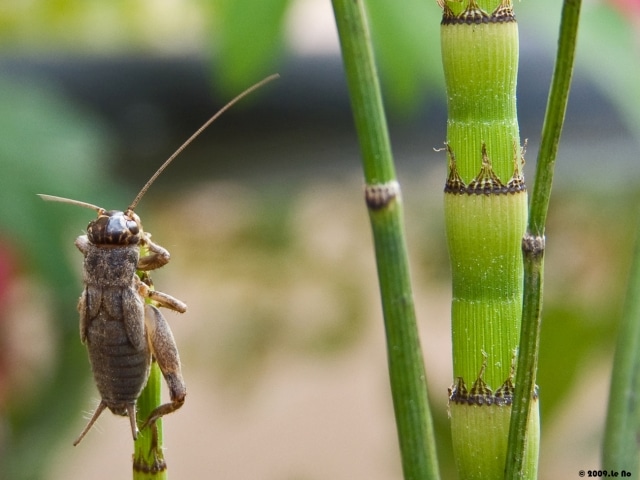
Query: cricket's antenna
{"type": "Point", "coordinates": [198, 132]}
{"type": "Point", "coordinates": [53, 198]}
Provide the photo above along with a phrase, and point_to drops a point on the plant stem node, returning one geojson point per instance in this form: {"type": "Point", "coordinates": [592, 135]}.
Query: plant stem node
{"type": "Point", "coordinates": [486, 182]}
{"type": "Point", "coordinates": [533, 245]}
{"type": "Point", "coordinates": [157, 467]}
{"type": "Point", "coordinates": [380, 195]}
{"type": "Point", "coordinates": [481, 393]}
{"type": "Point", "coordinates": [474, 15]}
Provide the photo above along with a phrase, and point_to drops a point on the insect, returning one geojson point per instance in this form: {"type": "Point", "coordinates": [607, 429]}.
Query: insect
{"type": "Point", "coordinates": [122, 332]}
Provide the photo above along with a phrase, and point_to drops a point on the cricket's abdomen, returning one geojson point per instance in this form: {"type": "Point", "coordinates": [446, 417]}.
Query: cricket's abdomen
{"type": "Point", "coordinates": [120, 369]}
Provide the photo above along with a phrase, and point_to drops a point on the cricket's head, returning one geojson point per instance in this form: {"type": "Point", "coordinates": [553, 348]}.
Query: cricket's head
{"type": "Point", "coordinates": [111, 227]}
{"type": "Point", "coordinates": [114, 227]}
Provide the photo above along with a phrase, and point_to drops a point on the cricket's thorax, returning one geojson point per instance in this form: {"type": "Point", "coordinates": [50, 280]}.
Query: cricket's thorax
{"type": "Point", "coordinates": [110, 266]}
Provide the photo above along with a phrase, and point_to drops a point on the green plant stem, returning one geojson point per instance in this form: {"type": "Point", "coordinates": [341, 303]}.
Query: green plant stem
{"type": "Point", "coordinates": [148, 457]}
{"type": "Point", "coordinates": [554, 116]}
{"type": "Point", "coordinates": [620, 446]}
{"type": "Point", "coordinates": [485, 216]}
{"type": "Point", "coordinates": [364, 91]}
{"type": "Point", "coordinates": [533, 242]}
{"type": "Point", "coordinates": [406, 367]}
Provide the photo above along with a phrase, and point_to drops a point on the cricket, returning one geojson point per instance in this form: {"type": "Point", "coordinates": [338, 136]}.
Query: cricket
{"type": "Point", "coordinates": [123, 332]}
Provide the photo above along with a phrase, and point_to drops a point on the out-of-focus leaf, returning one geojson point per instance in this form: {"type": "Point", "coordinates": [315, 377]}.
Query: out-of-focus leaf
{"type": "Point", "coordinates": [406, 36]}
{"type": "Point", "coordinates": [609, 51]}
{"type": "Point", "coordinates": [47, 146]}
{"type": "Point", "coordinates": [249, 39]}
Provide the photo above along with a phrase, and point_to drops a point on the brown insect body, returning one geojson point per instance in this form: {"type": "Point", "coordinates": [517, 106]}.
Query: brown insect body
{"type": "Point", "coordinates": [121, 331]}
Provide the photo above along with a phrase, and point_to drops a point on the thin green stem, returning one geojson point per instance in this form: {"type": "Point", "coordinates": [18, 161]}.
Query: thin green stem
{"type": "Point", "coordinates": [364, 91]}
{"type": "Point", "coordinates": [533, 242]}
{"type": "Point", "coordinates": [148, 457]}
{"type": "Point", "coordinates": [406, 367]}
{"type": "Point", "coordinates": [554, 116]}
{"type": "Point", "coordinates": [620, 448]}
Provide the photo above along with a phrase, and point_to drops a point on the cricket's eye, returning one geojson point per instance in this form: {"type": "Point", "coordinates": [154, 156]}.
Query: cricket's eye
{"type": "Point", "coordinates": [133, 227]}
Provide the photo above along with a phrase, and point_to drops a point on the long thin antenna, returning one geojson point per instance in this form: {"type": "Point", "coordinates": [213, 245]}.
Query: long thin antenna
{"type": "Point", "coordinates": [198, 132]}
{"type": "Point", "coordinates": [53, 198]}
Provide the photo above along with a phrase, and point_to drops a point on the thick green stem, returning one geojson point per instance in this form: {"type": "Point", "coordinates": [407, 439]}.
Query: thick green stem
{"type": "Point", "coordinates": [485, 215]}
{"type": "Point", "coordinates": [534, 243]}
{"type": "Point", "coordinates": [406, 368]}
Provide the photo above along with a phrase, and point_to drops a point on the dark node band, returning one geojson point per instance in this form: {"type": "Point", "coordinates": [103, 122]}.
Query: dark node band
{"type": "Point", "coordinates": [474, 15]}
{"type": "Point", "coordinates": [481, 394]}
{"type": "Point", "coordinates": [486, 182]}
{"type": "Point", "coordinates": [380, 195]}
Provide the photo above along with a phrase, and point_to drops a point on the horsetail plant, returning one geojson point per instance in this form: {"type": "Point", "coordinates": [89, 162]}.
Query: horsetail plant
{"type": "Point", "coordinates": [487, 231]}
{"type": "Point", "coordinates": [382, 195]}
{"type": "Point", "coordinates": [533, 243]}
{"type": "Point", "coordinates": [486, 215]}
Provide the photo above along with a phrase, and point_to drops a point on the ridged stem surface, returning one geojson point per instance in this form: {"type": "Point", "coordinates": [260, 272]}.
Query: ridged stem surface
{"type": "Point", "coordinates": [486, 217]}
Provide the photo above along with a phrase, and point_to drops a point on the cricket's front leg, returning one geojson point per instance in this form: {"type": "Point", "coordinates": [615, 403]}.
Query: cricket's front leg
{"type": "Point", "coordinates": [158, 256]}
{"type": "Point", "coordinates": [166, 354]}
{"type": "Point", "coordinates": [83, 244]}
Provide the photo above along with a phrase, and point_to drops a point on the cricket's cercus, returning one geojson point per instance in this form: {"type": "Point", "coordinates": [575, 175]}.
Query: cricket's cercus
{"type": "Point", "coordinates": [123, 332]}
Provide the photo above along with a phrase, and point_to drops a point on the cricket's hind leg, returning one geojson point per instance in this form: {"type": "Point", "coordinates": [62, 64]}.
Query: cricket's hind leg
{"type": "Point", "coordinates": [164, 349]}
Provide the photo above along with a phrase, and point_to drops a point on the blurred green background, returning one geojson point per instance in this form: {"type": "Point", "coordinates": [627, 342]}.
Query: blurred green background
{"type": "Point", "coordinates": [282, 347]}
